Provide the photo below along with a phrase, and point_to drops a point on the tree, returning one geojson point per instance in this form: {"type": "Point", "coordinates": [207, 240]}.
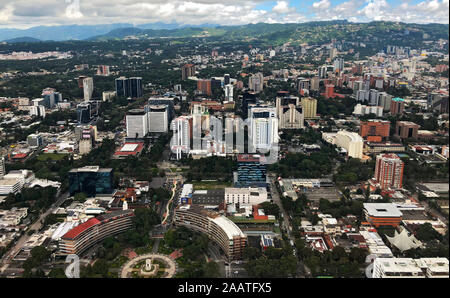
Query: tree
{"type": "Point", "coordinates": [426, 232]}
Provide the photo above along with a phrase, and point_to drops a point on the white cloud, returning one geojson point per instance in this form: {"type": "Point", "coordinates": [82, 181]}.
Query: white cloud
{"type": "Point", "coordinates": [23, 13]}
{"type": "Point", "coordinates": [323, 4]}
{"type": "Point", "coordinates": [282, 7]}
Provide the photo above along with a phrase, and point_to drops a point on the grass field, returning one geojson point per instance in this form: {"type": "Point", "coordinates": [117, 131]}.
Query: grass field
{"type": "Point", "coordinates": [52, 156]}
{"type": "Point", "coordinates": [210, 184]}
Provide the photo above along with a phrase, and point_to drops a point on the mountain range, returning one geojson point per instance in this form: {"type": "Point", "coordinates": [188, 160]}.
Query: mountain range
{"type": "Point", "coordinates": [273, 33]}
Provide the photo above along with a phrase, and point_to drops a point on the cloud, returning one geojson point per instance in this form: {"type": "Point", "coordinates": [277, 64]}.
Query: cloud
{"type": "Point", "coordinates": [23, 13]}
{"type": "Point", "coordinates": [323, 4]}
{"type": "Point", "coordinates": [282, 7]}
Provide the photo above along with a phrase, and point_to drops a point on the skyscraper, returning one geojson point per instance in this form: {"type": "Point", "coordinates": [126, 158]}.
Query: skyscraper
{"type": "Point", "coordinates": [389, 171]}
{"type": "Point", "coordinates": [180, 142]}
{"type": "Point", "coordinates": [158, 118]}
{"type": "Point", "coordinates": [129, 87]}
{"type": "Point", "coordinates": [256, 82]}
{"type": "Point", "coordinates": [187, 70]}
{"type": "Point", "coordinates": [263, 127]}
{"type": "Point", "coordinates": [137, 123]}
{"type": "Point", "coordinates": [309, 105]}
{"type": "Point", "coordinates": [136, 90]}
{"type": "Point", "coordinates": [88, 88]}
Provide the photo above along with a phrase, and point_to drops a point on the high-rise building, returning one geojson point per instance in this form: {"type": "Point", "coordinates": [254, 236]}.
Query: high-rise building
{"type": "Point", "coordinates": [204, 86]}
{"type": "Point", "coordinates": [91, 180]}
{"type": "Point", "coordinates": [374, 130]}
{"type": "Point", "coordinates": [251, 172]}
{"type": "Point", "coordinates": [315, 83]}
{"type": "Point", "coordinates": [187, 71]}
{"type": "Point", "coordinates": [123, 87]}
{"type": "Point", "coordinates": [103, 70]}
{"type": "Point", "coordinates": [309, 105]}
{"type": "Point", "coordinates": [34, 140]}
{"type": "Point", "coordinates": [329, 91]}
{"type": "Point", "coordinates": [256, 82]}
{"type": "Point", "coordinates": [397, 106]}
{"type": "Point", "coordinates": [338, 65]}
{"type": "Point", "coordinates": [181, 140]}
{"type": "Point", "coordinates": [389, 171]}
{"type": "Point", "coordinates": [228, 92]}
{"type": "Point", "coordinates": [158, 118]}
{"type": "Point", "coordinates": [137, 123]}
{"type": "Point", "coordinates": [291, 117]}
{"type": "Point", "coordinates": [263, 127]}
{"type": "Point", "coordinates": [406, 129]}
{"type": "Point", "coordinates": [2, 167]}
{"type": "Point", "coordinates": [88, 88]}
{"type": "Point", "coordinates": [226, 79]}
{"type": "Point", "coordinates": [136, 88]}
{"type": "Point", "coordinates": [129, 87]}
{"type": "Point", "coordinates": [51, 97]}
{"type": "Point", "coordinates": [84, 112]}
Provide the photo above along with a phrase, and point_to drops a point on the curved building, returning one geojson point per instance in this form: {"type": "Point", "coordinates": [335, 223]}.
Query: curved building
{"type": "Point", "coordinates": [85, 235]}
{"type": "Point", "coordinates": [218, 228]}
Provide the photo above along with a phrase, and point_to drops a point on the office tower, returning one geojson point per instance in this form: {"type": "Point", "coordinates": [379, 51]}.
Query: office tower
{"type": "Point", "coordinates": [136, 89]}
{"type": "Point", "coordinates": [180, 142]}
{"type": "Point", "coordinates": [329, 91]}
{"type": "Point", "coordinates": [228, 92]}
{"type": "Point", "coordinates": [256, 82]}
{"type": "Point", "coordinates": [158, 118]}
{"type": "Point", "coordinates": [2, 167]}
{"type": "Point", "coordinates": [51, 97]}
{"type": "Point", "coordinates": [80, 81]}
{"type": "Point", "coordinates": [34, 140]}
{"type": "Point", "coordinates": [247, 99]}
{"type": "Point", "coordinates": [389, 171]}
{"type": "Point", "coordinates": [357, 86]}
{"type": "Point", "coordinates": [187, 71]}
{"type": "Point", "coordinates": [103, 70]}
{"type": "Point", "coordinates": [315, 83]}
{"type": "Point", "coordinates": [263, 127]}
{"type": "Point", "coordinates": [137, 123]}
{"type": "Point", "coordinates": [289, 112]}
{"type": "Point", "coordinates": [303, 84]}
{"type": "Point", "coordinates": [406, 129]}
{"type": "Point", "coordinates": [88, 88]}
{"type": "Point", "coordinates": [91, 180]}
{"type": "Point", "coordinates": [226, 79]}
{"type": "Point", "coordinates": [338, 65]}
{"type": "Point", "coordinates": [333, 53]}
{"type": "Point", "coordinates": [84, 112]}
{"type": "Point", "coordinates": [291, 117]}
{"type": "Point", "coordinates": [397, 106]}
{"type": "Point", "coordinates": [384, 100]}
{"type": "Point", "coordinates": [108, 95]}
{"type": "Point", "coordinates": [204, 86]}
{"type": "Point", "coordinates": [323, 71]}
{"type": "Point", "coordinates": [251, 172]}
{"type": "Point", "coordinates": [309, 105]}
{"type": "Point", "coordinates": [38, 111]}
{"type": "Point", "coordinates": [123, 87]}
{"type": "Point", "coordinates": [164, 101]}
{"type": "Point", "coordinates": [375, 130]}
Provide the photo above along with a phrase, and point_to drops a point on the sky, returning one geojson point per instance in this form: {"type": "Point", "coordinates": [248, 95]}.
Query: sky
{"type": "Point", "coordinates": [25, 13]}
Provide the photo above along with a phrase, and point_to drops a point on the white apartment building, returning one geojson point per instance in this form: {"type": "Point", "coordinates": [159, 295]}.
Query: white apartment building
{"type": "Point", "coordinates": [246, 196]}
{"type": "Point", "coordinates": [410, 268]}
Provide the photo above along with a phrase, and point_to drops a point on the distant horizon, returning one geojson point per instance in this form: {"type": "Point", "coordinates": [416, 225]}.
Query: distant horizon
{"type": "Point", "coordinates": [180, 25]}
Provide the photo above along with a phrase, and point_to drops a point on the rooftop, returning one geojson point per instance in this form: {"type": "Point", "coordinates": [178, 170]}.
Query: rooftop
{"type": "Point", "coordinates": [382, 210]}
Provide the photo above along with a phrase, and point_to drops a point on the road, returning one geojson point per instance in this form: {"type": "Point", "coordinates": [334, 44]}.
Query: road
{"type": "Point", "coordinates": [286, 223]}
{"type": "Point", "coordinates": [174, 191]}
{"type": "Point", "coordinates": [35, 226]}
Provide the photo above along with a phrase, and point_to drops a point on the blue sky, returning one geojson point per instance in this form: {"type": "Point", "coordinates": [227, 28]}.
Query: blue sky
{"type": "Point", "coordinates": [23, 13]}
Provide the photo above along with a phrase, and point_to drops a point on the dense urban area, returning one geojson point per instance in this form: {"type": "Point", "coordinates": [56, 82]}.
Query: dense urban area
{"type": "Point", "coordinates": [125, 151]}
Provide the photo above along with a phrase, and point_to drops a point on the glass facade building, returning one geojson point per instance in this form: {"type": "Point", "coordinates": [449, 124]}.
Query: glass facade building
{"type": "Point", "coordinates": [91, 180]}
{"type": "Point", "coordinates": [250, 173]}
